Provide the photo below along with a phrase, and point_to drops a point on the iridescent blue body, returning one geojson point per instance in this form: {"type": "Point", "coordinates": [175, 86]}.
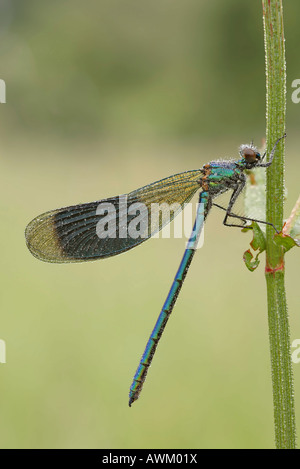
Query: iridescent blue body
{"type": "Point", "coordinates": [141, 372]}
{"type": "Point", "coordinates": [72, 234]}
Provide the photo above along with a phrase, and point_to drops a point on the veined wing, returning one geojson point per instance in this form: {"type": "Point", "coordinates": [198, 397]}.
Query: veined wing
{"type": "Point", "coordinates": [104, 228]}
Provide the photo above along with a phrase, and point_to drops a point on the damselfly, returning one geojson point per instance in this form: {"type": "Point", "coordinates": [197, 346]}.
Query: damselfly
{"type": "Point", "coordinates": [103, 228]}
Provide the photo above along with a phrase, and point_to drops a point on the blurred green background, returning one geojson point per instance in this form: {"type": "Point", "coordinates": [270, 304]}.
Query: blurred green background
{"type": "Point", "coordinates": [104, 97]}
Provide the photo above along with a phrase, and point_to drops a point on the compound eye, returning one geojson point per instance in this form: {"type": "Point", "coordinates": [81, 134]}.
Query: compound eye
{"type": "Point", "coordinates": [250, 155]}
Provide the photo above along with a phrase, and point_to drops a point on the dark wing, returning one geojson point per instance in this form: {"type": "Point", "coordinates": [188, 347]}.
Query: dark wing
{"type": "Point", "coordinates": [108, 227]}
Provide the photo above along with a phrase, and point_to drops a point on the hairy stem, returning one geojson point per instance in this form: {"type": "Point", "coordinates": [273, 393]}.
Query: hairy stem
{"type": "Point", "coordinates": [282, 378]}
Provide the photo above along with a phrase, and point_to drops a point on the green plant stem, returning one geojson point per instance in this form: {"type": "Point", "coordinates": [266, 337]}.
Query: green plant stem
{"type": "Point", "coordinates": [279, 336]}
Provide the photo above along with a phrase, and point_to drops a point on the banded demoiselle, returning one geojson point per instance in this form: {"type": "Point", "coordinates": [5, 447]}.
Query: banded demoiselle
{"type": "Point", "coordinates": [72, 234]}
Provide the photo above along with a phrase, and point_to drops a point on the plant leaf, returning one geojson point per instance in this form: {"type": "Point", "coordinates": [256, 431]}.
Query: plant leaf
{"type": "Point", "coordinates": [258, 243]}
{"type": "Point", "coordinates": [286, 241]}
